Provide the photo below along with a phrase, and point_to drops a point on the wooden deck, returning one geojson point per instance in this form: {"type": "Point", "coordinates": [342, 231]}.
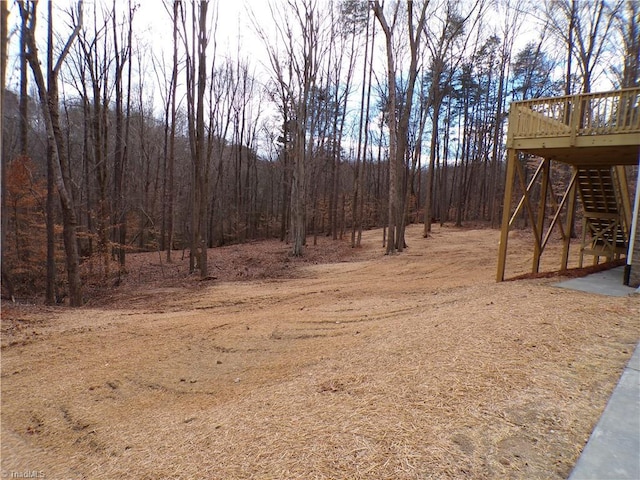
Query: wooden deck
{"type": "Point", "coordinates": [597, 134]}
{"type": "Point", "coordinates": [589, 129]}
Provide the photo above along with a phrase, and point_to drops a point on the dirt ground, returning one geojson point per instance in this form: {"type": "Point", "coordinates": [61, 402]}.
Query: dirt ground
{"type": "Point", "coordinates": [348, 364]}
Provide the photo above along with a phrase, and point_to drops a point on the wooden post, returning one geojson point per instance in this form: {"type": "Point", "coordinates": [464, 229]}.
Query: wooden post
{"type": "Point", "coordinates": [571, 208]}
{"type": "Point", "coordinates": [506, 213]}
{"type": "Point", "coordinates": [584, 240]}
{"type": "Point", "coordinates": [624, 195]}
{"type": "Point", "coordinates": [576, 115]}
{"type": "Point", "coordinates": [542, 208]}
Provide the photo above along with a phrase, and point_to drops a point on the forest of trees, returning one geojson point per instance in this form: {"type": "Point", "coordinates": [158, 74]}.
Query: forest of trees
{"type": "Point", "coordinates": [353, 114]}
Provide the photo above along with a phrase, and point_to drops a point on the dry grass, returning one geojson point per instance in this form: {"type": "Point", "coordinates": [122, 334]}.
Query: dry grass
{"type": "Point", "coordinates": [404, 367]}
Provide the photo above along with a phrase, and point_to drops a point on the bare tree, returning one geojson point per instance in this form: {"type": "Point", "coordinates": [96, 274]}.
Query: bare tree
{"type": "Point", "coordinates": [172, 139]}
{"type": "Point", "coordinates": [298, 31]}
{"type": "Point", "coordinates": [398, 127]}
{"type": "Point", "coordinates": [584, 27]}
{"type": "Point", "coordinates": [441, 35]}
{"type": "Point", "coordinates": [628, 27]}
{"type": "Point", "coordinates": [196, 41]}
{"type": "Point", "coordinates": [4, 42]}
{"type": "Point", "coordinates": [122, 57]}
{"type": "Point", "coordinates": [48, 93]}
{"type": "Point", "coordinates": [224, 93]}
{"type": "Point", "coordinates": [92, 82]}
{"type": "Point", "coordinates": [306, 69]}
{"type": "Point", "coordinates": [50, 208]}
{"type": "Point", "coordinates": [24, 94]}
{"type": "Point", "coordinates": [363, 135]}
{"type": "Point", "coordinates": [512, 22]}
{"type": "Point", "coordinates": [168, 183]}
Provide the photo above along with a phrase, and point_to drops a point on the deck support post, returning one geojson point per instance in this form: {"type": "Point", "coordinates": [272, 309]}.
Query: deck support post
{"type": "Point", "coordinates": [625, 195]}
{"type": "Point", "coordinates": [506, 213]}
{"type": "Point", "coordinates": [571, 210]}
{"type": "Point", "coordinates": [542, 208]}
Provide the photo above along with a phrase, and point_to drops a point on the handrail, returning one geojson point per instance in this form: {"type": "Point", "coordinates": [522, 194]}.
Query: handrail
{"type": "Point", "coordinates": [603, 113]}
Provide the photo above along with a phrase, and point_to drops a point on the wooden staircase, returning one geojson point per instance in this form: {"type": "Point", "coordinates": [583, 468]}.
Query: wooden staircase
{"type": "Point", "coordinates": [605, 223]}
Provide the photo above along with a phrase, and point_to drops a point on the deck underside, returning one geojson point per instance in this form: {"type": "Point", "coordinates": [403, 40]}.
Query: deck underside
{"type": "Point", "coordinates": [600, 156]}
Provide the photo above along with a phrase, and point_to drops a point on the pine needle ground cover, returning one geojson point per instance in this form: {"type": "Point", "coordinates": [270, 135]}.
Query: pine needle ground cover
{"type": "Point", "coordinates": [351, 365]}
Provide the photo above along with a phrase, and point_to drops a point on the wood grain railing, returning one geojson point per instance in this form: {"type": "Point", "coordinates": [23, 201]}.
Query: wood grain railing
{"type": "Point", "coordinates": [607, 113]}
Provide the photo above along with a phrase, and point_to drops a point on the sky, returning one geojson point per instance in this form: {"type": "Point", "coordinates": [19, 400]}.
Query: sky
{"type": "Point", "coordinates": [234, 25]}
{"type": "Point", "coordinates": [153, 25]}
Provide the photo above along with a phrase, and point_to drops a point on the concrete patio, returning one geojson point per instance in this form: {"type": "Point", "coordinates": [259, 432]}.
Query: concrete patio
{"type": "Point", "coordinates": [613, 450]}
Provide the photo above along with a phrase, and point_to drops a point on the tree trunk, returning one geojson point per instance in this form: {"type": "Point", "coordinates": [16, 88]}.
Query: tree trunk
{"type": "Point", "coordinates": [4, 42]}
{"type": "Point", "coordinates": [50, 111]}
{"type": "Point", "coordinates": [358, 181]}
{"type": "Point", "coordinates": [392, 207]}
{"type": "Point", "coordinates": [172, 136]}
{"type": "Point", "coordinates": [398, 131]}
{"type": "Point", "coordinates": [50, 296]}
{"type": "Point", "coordinates": [198, 147]}
{"type": "Point", "coordinates": [428, 215]}
{"type": "Point", "coordinates": [298, 193]}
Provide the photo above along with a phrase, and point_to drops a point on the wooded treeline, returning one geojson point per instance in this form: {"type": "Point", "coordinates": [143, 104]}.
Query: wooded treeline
{"type": "Point", "coordinates": [353, 115]}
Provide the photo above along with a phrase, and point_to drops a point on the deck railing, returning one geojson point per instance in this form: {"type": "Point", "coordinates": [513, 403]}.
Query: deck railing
{"type": "Point", "coordinates": [607, 113]}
